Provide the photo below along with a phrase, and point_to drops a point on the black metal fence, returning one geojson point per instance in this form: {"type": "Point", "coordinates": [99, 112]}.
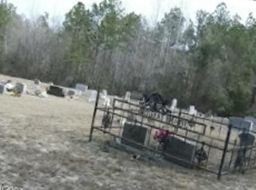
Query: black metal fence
{"type": "Point", "coordinates": [192, 141]}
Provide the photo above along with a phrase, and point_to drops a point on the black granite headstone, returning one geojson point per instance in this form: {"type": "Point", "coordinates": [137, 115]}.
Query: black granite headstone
{"type": "Point", "coordinates": [180, 152]}
{"type": "Point", "coordinates": [56, 91]}
{"type": "Point", "coordinates": [134, 133]}
{"type": "Point", "coordinates": [246, 139]}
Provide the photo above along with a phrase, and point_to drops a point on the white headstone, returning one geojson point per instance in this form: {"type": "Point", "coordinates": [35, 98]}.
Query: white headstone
{"type": "Point", "coordinates": [174, 104]}
{"type": "Point", "coordinates": [93, 96]}
{"type": "Point", "coordinates": [127, 96]}
{"type": "Point", "coordinates": [192, 110]}
{"type": "Point", "coordinates": [81, 87]}
{"type": "Point", "coordinates": [104, 92]}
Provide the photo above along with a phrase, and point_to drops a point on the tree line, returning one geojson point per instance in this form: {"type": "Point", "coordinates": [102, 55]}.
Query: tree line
{"type": "Point", "coordinates": [210, 63]}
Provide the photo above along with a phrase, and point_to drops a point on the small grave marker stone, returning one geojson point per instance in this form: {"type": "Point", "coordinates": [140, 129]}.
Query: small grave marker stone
{"type": "Point", "coordinates": [20, 88]}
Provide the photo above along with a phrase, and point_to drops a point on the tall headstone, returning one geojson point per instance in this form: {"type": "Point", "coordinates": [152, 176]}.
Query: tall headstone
{"type": "Point", "coordinates": [105, 93]}
{"type": "Point", "coordinates": [93, 96]}
{"type": "Point", "coordinates": [174, 104]}
{"type": "Point", "coordinates": [127, 96]}
{"type": "Point", "coordinates": [192, 110]}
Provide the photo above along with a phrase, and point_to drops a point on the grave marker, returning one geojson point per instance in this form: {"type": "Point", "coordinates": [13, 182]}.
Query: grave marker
{"type": "Point", "coordinates": [181, 152]}
{"type": "Point", "coordinates": [93, 96]}
{"type": "Point", "coordinates": [81, 87]}
{"type": "Point", "coordinates": [136, 133]}
{"type": "Point", "coordinates": [174, 104]}
{"type": "Point", "coordinates": [127, 96]}
{"type": "Point", "coordinates": [20, 88]}
{"type": "Point", "coordinates": [56, 91]}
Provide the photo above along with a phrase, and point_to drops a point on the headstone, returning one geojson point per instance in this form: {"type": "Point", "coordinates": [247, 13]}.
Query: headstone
{"type": "Point", "coordinates": [106, 98]}
{"type": "Point", "coordinates": [174, 104]}
{"type": "Point", "coordinates": [71, 93]}
{"type": "Point", "coordinates": [37, 82]}
{"type": "Point", "coordinates": [246, 139]}
{"type": "Point", "coordinates": [81, 87]}
{"type": "Point", "coordinates": [9, 86]}
{"type": "Point", "coordinates": [180, 152]}
{"type": "Point", "coordinates": [105, 93]}
{"type": "Point", "coordinates": [240, 124]}
{"type": "Point", "coordinates": [135, 134]}
{"type": "Point", "coordinates": [93, 96]}
{"type": "Point", "coordinates": [136, 96]}
{"type": "Point", "coordinates": [192, 110]}
{"type": "Point", "coordinates": [20, 88]}
{"type": "Point", "coordinates": [127, 96]}
{"type": "Point", "coordinates": [56, 91]}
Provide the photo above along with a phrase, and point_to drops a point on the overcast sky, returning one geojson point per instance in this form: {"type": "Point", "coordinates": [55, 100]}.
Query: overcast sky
{"type": "Point", "coordinates": [152, 9]}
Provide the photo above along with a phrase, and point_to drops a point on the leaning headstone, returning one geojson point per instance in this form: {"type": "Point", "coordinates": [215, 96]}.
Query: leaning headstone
{"type": "Point", "coordinates": [93, 96]}
{"type": "Point", "coordinates": [127, 96]}
{"type": "Point", "coordinates": [81, 87]}
{"type": "Point", "coordinates": [20, 88]}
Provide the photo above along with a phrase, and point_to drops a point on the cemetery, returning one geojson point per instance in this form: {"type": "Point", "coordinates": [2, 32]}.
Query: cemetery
{"type": "Point", "coordinates": [133, 144]}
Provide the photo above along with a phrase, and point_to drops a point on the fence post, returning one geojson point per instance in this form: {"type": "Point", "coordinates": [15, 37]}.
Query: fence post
{"type": "Point", "coordinates": [94, 114]}
{"type": "Point", "coordinates": [224, 151]}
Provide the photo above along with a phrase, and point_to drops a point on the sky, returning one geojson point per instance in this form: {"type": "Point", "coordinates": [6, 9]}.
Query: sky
{"type": "Point", "coordinates": [153, 10]}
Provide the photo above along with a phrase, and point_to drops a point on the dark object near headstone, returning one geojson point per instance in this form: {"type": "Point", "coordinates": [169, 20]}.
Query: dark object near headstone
{"type": "Point", "coordinates": [246, 139]}
{"type": "Point", "coordinates": [180, 152]}
{"type": "Point", "coordinates": [135, 134]}
{"type": "Point", "coordinates": [2, 88]}
{"type": "Point", "coordinates": [106, 121]}
{"type": "Point", "coordinates": [56, 91]}
{"type": "Point", "coordinates": [155, 102]}
{"type": "Point", "coordinates": [201, 155]}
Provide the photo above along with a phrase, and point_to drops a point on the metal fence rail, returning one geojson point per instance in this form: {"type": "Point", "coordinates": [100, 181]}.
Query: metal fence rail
{"type": "Point", "coordinates": [210, 145]}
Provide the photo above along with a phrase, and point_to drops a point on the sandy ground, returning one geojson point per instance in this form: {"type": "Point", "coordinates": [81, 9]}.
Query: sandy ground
{"type": "Point", "coordinates": [44, 145]}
